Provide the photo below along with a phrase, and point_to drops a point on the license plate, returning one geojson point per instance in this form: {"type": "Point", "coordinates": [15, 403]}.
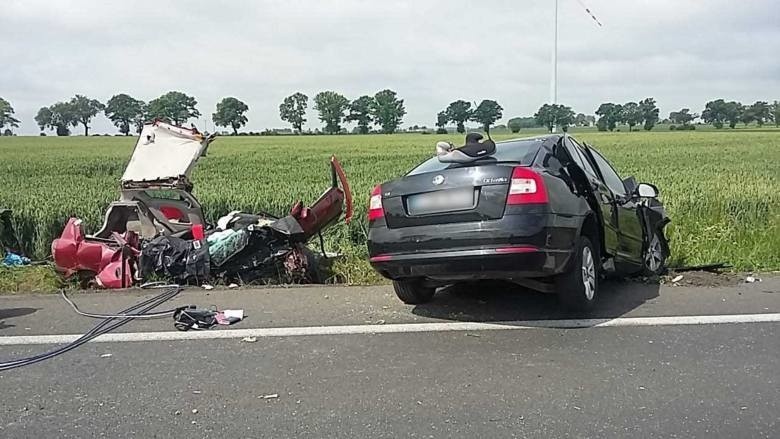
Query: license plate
{"type": "Point", "coordinates": [440, 201]}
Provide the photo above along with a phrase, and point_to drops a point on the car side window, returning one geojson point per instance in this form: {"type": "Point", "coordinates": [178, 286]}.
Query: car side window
{"type": "Point", "coordinates": [611, 177]}
{"type": "Point", "coordinates": [578, 157]}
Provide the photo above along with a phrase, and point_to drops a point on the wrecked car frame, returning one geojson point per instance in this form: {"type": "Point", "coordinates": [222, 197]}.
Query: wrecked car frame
{"type": "Point", "coordinates": [157, 227]}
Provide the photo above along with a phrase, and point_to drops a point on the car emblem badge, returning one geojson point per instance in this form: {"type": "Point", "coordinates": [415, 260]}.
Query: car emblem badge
{"type": "Point", "coordinates": [437, 180]}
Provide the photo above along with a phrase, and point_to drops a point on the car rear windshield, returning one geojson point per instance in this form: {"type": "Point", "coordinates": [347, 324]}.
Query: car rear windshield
{"type": "Point", "coordinates": [513, 151]}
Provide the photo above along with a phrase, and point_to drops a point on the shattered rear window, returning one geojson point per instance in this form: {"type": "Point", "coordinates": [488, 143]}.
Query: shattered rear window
{"type": "Point", "coordinates": [513, 151]}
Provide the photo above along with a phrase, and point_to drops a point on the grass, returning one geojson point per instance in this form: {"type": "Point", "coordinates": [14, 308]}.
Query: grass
{"type": "Point", "coordinates": [721, 188]}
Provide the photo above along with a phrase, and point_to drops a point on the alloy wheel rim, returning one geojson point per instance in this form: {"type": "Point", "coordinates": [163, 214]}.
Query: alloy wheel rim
{"type": "Point", "coordinates": [588, 273]}
{"type": "Point", "coordinates": [654, 255]}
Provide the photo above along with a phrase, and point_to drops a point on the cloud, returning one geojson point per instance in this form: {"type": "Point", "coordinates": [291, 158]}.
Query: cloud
{"type": "Point", "coordinates": [430, 52]}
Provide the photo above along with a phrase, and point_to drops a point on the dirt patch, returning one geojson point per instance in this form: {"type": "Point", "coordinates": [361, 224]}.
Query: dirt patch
{"type": "Point", "coordinates": [704, 279]}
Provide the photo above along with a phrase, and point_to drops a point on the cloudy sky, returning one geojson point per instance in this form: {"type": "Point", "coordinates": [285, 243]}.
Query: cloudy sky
{"type": "Point", "coordinates": [430, 51]}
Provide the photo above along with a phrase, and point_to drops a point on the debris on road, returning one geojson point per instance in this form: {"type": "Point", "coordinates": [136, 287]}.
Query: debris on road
{"type": "Point", "coordinates": [157, 228]}
{"type": "Point", "coordinates": [271, 396]}
{"type": "Point", "coordinates": [208, 287]}
{"type": "Point", "coordinates": [249, 339]}
{"type": "Point", "coordinates": [106, 355]}
{"type": "Point", "coordinates": [752, 279]}
{"type": "Point", "coordinates": [677, 278]}
{"type": "Point", "coordinates": [194, 411]}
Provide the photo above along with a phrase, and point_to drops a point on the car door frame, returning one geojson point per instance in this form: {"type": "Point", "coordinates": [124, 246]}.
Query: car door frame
{"type": "Point", "coordinates": [603, 196]}
{"type": "Point", "coordinates": [631, 244]}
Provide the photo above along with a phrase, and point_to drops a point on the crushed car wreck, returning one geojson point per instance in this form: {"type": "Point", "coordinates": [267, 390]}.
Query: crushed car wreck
{"type": "Point", "coordinates": [548, 213]}
{"type": "Point", "coordinates": [157, 227]}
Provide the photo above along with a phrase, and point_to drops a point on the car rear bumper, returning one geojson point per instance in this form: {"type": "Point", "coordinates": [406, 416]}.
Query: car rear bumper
{"type": "Point", "coordinates": [532, 244]}
{"type": "Point", "coordinates": [509, 262]}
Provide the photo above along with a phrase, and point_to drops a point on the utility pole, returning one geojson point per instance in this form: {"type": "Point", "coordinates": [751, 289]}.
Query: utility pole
{"type": "Point", "coordinates": [554, 79]}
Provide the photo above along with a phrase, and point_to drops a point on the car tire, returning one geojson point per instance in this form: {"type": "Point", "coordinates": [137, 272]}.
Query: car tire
{"type": "Point", "coordinates": [578, 288]}
{"type": "Point", "coordinates": [654, 257]}
{"type": "Point", "coordinates": [413, 292]}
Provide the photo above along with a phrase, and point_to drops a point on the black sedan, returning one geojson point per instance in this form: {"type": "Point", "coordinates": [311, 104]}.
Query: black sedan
{"type": "Point", "coordinates": [549, 213]}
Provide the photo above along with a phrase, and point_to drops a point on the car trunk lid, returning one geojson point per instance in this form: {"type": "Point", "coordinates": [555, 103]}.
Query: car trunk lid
{"type": "Point", "coordinates": [460, 194]}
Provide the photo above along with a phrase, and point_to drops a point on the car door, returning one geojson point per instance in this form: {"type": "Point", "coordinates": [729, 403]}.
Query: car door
{"type": "Point", "coordinates": [628, 224]}
{"type": "Point", "coordinates": [603, 196]}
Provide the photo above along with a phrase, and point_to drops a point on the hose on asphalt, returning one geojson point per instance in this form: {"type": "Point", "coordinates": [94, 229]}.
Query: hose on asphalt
{"type": "Point", "coordinates": [107, 325]}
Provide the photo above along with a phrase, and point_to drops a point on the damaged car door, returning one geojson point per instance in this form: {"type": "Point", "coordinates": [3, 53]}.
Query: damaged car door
{"type": "Point", "coordinates": [588, 181]}
{"type": "Point", "coordinates": [629, 254]}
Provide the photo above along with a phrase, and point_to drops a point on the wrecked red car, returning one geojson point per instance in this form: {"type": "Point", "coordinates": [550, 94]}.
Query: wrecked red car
{"type": "Point", "coordinates": [157, 228]}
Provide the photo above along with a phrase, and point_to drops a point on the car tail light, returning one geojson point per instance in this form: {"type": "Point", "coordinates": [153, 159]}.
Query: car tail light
{"type": "Point", "coordinates": [375, 210]}
{"type": "Point", "coordinates": [527, 187]}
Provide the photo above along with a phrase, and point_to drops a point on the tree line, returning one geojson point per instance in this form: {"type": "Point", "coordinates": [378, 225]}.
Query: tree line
{"type": "Point", "coordinates": [384, 110]}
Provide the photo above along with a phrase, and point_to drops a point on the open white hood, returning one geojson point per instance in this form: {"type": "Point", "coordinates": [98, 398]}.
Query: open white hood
{"type": "Point", "coordinates": [164, 152]}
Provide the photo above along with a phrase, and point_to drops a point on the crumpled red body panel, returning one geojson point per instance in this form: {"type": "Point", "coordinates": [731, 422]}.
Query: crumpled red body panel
{"type": "Point", "coordinates": [74, 252]}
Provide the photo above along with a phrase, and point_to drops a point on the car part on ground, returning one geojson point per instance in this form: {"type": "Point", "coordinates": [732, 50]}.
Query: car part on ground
{"type": "Point", "coordinates": [107, 325]}
{"type": "Point", "coordinates": [157, 228]}
{"type": "Point", "coordinates": [544, 212]}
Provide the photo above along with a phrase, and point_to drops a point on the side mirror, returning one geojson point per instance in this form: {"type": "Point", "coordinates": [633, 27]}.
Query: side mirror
{"type": "Point", "coordinates": [646, 190]}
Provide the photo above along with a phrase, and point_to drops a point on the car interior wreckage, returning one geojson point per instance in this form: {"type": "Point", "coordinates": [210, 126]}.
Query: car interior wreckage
{"type": "Point", "coordinates": [157, 228]}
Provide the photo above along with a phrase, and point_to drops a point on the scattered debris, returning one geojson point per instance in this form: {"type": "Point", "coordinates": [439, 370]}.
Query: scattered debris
{"type": "Point", "coordinates": [12, 259]}
{"type": "Point", "coordinates": [194, 411]}
{"type": "Point", "coordinates": [677, 278]}
{"type": "Point", "coordinates": [196, 392]}
{"type": "Point", "coordinates": [106, 355]}
{"type": "Point", "coordinates": [752, 279]}
{"type": "Point", "coordinates": [177, 412]}
{"type": "Point", "coordinates": [208, 287]}
{"type": "Point", "coordinates": [380, 322]}
{"type": "Point", "coordinates": [468, 334]}
{"type": "Point", "coordinates": [229, 316]}
{"type": "Point", "coordinates": [233, 285]}
{"type": "Point", "coordinates": [271, 396]}
{"type": "Point", "coordinates": [249, 339]}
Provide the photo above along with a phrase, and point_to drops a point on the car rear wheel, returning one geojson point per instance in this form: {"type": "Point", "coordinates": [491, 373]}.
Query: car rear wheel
{"type": "Point", "coordinates": [654, 257]}
{"type": "Point", "coordinates": [577, 289]}
{"type": "Point", "coordinates": [413, 292]}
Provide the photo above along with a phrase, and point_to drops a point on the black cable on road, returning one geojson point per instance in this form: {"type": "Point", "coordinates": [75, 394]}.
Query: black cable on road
{"type": "Point", "coordinates": [107, 325]}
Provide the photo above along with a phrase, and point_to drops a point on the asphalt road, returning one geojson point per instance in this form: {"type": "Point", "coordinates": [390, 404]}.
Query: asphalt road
{"type": "Point", "coordinates": [661, 379]}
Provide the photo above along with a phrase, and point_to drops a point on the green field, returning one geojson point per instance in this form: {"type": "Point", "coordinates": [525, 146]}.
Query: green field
{"type": "Point", "coordinates": [721, 188]}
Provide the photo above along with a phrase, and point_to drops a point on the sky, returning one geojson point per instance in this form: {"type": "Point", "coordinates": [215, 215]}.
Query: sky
{"type": "Point", "coordinates": [431, 52]}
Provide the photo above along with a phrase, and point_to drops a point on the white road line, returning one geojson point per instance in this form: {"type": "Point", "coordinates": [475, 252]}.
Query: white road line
{"type": "Point", "coordinates": [397, 328]}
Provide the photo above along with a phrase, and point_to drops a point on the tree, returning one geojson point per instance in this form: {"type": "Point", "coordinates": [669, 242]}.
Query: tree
{"type": "Point", "coordinates": [514, 125]}
{"type": "Point", "coordinates": [551, 115]}
{"type": "Point", "coordinates": [746, 115]}
{"type": "Point", "coordinates": [583, 120]}
{"type": "Point", "coordinates": [762, 113]}
{"type": "Point", "coordinates": [59, 117]}
{"type": "Point", "coordinates": [6, 115]}
{"type": "Point", "coordinates": [174, 106]}
{"type": "Point", "coordinates": [776, 113]}
{"type": "Point", "coordinates": [733, 112]}
{"type": "Point", "coordinates": [631, 114]}
{"type": "Point", "coordinates": [293, 110]}
{"type": "Point", "coordinates": [360, 111]}
{"type": "Point", "coordinates": [611, 115]}
{"type": "Point", "coordinates": [715, 112]}
{"type": "Point", "coordinates": [682, 117]}
{"type": "Point", "coordinates": [649, 113]}
{"type": "Point", "coordinates": [124, 110]}
{"type": "Point", "coordinates": [487, 113]}
{"type": "Point", "coordinates": [331, 107]}
{"type": "Point", "coordinates": [84, 109]}
{"type": "Point", "coordinates": [43, 118]}
{"type": "Point", "coordinates": [230, 113]}
{"type": "Point", "coordinates": [388, 111]}
{"type": "Point", "coordinates": [459, 112]}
